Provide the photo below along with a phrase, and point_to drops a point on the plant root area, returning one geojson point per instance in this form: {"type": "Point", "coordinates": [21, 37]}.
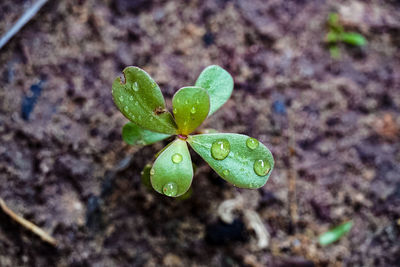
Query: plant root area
{"type": "Point", "coordinates": [333, 126]}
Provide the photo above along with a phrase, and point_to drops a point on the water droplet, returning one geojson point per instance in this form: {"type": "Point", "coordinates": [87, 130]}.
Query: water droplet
{"type": "Point", "coordinates": [197, 101]}
{"type": "Point", "coordinates": [126, 108]}
{"type": "Point", "coordinates": [121, 98]}
{"type": "Point", "coordinates": [152, 171]}
{"type": "Point", "coordinates": [261, 167]}
{"type": "Point", "coordinates": [175, 111]}
{"type": "Point", "coordinates": [135, 86]}
{"type": "Point", "coordinates": [193, 110]}
{"type": "Point", "coordinates": [225, 173]}
{"type": "Point", "coordinates": [130, 98]}
{"type": "Point", "coordinates": [220, 149]}
{"type": "Point", "coordinates": [170, 189]}
{"type": "Point", "coordinates": [252, 143]}
{"type": "Point", "coordinates": [176, 158]}
{"type": "Point", "coordinates": [186, 101]}
{"type": "Point", "coordinates": [151, 118]}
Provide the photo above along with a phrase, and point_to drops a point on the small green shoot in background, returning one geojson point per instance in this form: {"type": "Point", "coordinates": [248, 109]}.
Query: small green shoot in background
{"type": "Point", "coordinates": [335, 234]}
{"type": "Point", "coordinates": [241, 160]}
{"type": "Point", "coordinates": [337, 35]}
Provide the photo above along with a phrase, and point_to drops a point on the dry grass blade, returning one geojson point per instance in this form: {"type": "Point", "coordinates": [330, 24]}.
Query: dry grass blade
{"type": "Point", "coordinates": [27, 224]}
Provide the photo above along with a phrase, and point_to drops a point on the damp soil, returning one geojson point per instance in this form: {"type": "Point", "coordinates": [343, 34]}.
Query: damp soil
{"type": "Point", "coordinates": [332, 126]}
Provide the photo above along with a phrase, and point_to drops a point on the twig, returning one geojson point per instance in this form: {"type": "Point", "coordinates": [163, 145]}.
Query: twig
{"type": "Point", "coordinates": [27, 16]}
{"type": "Point", "coordinates": [27, 224]}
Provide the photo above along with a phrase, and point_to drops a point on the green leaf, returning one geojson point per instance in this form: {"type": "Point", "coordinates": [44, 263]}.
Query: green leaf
{"type": "Point", "coordinates": [145, 176]}
{"type": "Point", "coordinates": [219, 85]}
{"type": "Point", "coordinates": [134, 135]}
{"type": "Point", "coordinates": [239, 159]}
{"type": "Point", "coordinates": [335, 233]}
{"type": "Point", "coordinates": [334, 51]}
{"type": "Point", "coordinates": [172, 171]}
{"type": "Point", "coordinates": [332, 37]}
{"type": "Point", "coordinates": [191, 106]}
{"type": "Point", "coordinates": [353, 38]}
{"type": "Point", "coordinates": [141, 101]}
{"type": "Point", "coordinates": [334, 23]}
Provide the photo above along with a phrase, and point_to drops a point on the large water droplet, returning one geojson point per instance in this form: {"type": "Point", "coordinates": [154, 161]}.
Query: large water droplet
{"type": "Point", "coordinates": [135, 86]}
{"type": "Point", "coordinates": [121, 98]}
{"type": "Point", "coordinates": [126, 108]}
{"type": "Point", "coordinates": [193, 110]}
{"type": "Point", "coordinates": [130, 98]}
{"type": "Point", "coordinates": [225, 172]}
{"type": "Point", "coordinates": [170, 189]}
{"type": "Point", "coordinates": [252, 143]}
{"type": "Point", "coordinates": [220, 149]}
{"type": "Point", "coordinates": [176, 158]}
{"type": "Point", "coordinates": [261, 167]}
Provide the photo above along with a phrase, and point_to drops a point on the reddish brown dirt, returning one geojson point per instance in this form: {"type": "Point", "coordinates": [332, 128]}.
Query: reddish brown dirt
{"type": "Point", "coordinates": [67, 169]}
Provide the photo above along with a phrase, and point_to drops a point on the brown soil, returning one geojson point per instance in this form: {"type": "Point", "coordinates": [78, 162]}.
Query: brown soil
{"type": "Point", "coordinates": [332, 125]}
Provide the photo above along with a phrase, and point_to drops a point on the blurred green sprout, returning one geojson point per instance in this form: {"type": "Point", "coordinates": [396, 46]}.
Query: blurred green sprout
{"type": "Point", "coordinates": [337, 35]}
{"type": "Point", "coordinates": [335, 234]}
{"type": "Point", "coordinates": [241, 160]}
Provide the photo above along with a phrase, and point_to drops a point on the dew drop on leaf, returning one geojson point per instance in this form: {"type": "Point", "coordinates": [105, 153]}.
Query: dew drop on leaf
{"type": "Point", "coordinates": [186, 101]}
{"type": "Point", "coordinates": [193, 110]}
{"type": "Point", "coordinates": [170, 189]}
{"type": "Point", "coordinates": [225, 172]}
{"type": "Point", "coordinates": [135, 86]}
{"type": "Point", "coordinates": [121, 98]}
{"type": "Point", "coordinates": [252, 143]}
{"type": "Point", "coordinates": [126, 108]}
{"type": "Point", "coordinates": [130, 98]}
{"type": "Point", "coordinates": [220, 149]}
{"type": "Point", "coordinates": [152, 172]}
{"type": "Point", "coordinates": [176, 158]}
{"type": "Point", "coordinates": [261, 167]}
{"type": "Point", "coordinates": [175, 111]}
{"type": "Point", "coordinates": [136, 103]}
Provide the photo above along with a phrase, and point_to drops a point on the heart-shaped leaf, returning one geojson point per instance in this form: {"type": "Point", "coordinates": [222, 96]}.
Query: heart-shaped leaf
{"type": "Point", "coordinates": [239, 159]}
{"type": "Point", "coordinates": [190, 108]}
{"type": "Point", "coordinates": [141, 101]}
{"type": "Point", "coordinates": [218, 83]}
{"type": "Point", "coordinates": [134, 135]}
{"type": "Point", "coordinates": [172, 171]}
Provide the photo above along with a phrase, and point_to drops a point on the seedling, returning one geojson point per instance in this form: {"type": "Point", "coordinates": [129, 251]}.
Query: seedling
{"type": "Point", "coordinates": [335, 234]}
{"type": "Point", "coordinates": [239, 159]}
{"type": "Point", "coordinates": [337, 34]}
